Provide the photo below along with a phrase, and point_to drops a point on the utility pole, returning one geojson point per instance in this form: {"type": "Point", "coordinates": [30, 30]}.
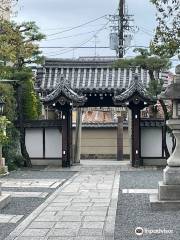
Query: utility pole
{"type": "Point", "coordinates": [121, 29]}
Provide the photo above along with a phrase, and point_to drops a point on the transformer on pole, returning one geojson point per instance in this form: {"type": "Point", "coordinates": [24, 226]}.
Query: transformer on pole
{"type": "Point", "coordinates": [120, 36]}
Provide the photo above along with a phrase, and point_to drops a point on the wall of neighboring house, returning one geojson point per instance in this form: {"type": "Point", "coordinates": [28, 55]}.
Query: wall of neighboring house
{"type": "Point", "coordinates": [101, 143]}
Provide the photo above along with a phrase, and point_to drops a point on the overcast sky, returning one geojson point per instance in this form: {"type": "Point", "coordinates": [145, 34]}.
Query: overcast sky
{"type": "Point", "coordinates": [54, 16]}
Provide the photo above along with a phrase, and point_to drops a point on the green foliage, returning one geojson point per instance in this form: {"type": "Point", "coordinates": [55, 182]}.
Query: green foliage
{"type": "Point", "coordinates": [19, 46]}
{"type": "Point", "coordinates": [155, 87]}
{"type": "Point", "coordinates": [7, 91]}
{"type": "Point", "coordinates": [3, 123]}
{"type": "Point", "coordinates": [18, 43]}
{"type": "Point", "coordinates": [2, 170]}
{"type": "Point", "coordinates": [166, 41]}
{"type": "Point", "coordinates": [144, 60]}
{"type": "Point", "coordinates": [31, 102]}
{"type": "Point", "coordinates": [15, 162]}
{"type": "Point", "coordinates": [11, 151]}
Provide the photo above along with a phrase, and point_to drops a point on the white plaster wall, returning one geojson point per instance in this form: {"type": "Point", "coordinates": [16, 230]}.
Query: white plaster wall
{"type": "Point", "coordinates": [151, 142]}
{"type": "Point", "coordinates": [53, 143]}
{"type": "Point", "coordinates": [34, 142]}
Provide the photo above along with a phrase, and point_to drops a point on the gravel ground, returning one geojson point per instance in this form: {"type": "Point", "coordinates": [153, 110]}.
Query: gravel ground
{"type": "Point", "coordinates": [29, 189]}
{"type": "Point", "coordinates": [25, 206]}
{"type": "Point", "coordinates": [40, 174]}
{"type": "Point", "coordinates": [18, 206]}
{"type": "Point", "coordinates": [134, 210]}
{"type": "Point", "coordinates": [140, 179]}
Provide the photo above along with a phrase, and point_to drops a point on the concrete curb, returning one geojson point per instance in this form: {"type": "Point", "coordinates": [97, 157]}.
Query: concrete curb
{"type": "Point", "coordinates": [4, 200]}
{"type": "Point", "coordinates": [111, 216]}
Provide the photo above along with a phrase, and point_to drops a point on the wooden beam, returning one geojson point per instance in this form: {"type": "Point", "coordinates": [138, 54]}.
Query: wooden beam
{"type": "Point", "coordinates": [136, 148]}
{"type": "Point", "coordinates": [69, 140]}
{"type": "Point", "coordinates": [44, 143]}
{"type": "Point", "coordinates": [120, 139]}
{"type": "Point", "coordinates": [66, 137]}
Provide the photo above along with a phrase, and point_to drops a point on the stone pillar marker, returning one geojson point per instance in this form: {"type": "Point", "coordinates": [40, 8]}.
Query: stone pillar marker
{"type": "Point", "coordinates": [169, 189]}
{"type": "Point", "coordinates": [120, 138]}
{"type": "Point", "coordinates": [77, 147]}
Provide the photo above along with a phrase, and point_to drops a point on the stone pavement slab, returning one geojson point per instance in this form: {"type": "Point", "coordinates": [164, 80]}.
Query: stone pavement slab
{"type": "Point", "coordinates": [7, 218]}
{"type": "Point", "coordinates": [84, 208]}
{"type": "Point", "coordinates": [27, 194]}
{"type": "Point", "coordinates": [31, 183]}
{"type": "Point", "coordinates": [148, 191]}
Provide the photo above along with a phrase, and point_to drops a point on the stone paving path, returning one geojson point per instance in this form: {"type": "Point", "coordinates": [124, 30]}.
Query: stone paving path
{"type": "Point", "coordinates": [84, 208]}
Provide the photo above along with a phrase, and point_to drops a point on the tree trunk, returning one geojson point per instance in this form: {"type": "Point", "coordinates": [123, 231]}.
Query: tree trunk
{"type": "Point", "coordinates": [21, 127]}
{"type": "Point", "coordinates": [1, 154]}
{"type": "Point", "coordinates": [166, 117]}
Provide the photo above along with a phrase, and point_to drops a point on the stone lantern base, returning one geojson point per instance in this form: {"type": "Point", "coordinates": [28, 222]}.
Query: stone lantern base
{"type": "Point", "coordinates": [168, 197]}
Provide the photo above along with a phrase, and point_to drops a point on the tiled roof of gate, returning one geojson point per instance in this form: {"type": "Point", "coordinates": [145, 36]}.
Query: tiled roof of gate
{"type": "Point", "coordinates": [64, 88]}
{"type": "Point", "coordinates": [86, 75]}
{"type": "Point", "coordinates": [135, 87]}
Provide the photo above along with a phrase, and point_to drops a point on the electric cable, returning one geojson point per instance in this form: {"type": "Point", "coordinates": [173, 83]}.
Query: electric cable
{"type": "Point", "coordinates": [83, 43]}
{"type": "Point", "coordinates": [67, 30]}
{"type": "Point", "coordinates": [70, 36]}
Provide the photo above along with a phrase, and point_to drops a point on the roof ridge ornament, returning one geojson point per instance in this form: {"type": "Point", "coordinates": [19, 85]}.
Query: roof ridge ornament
{"type": "Point", "coordinates": [62, 81]}
{"type": "Point", "coordinates": [135, 80]}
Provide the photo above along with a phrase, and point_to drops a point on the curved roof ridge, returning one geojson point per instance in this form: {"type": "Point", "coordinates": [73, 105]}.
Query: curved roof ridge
{"type": "Point", "coordinates": [63, 89]}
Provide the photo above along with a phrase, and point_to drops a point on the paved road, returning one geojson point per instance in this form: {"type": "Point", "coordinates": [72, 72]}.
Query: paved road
{"type": "Point", "coordinates": [84, 208]}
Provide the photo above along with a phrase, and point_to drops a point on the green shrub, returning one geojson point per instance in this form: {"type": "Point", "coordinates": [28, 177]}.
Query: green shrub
{"type": "Point", "coordinates": [2, 170]}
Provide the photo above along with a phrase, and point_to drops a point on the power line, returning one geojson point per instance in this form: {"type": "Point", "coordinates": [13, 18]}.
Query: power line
{"type": "Point", "coordinates": [147, 29]}
{"type": "Point", "coordinates": [64, 28]}
{"type": "Point", "coordinates": [75, 35]}
{"type": "Point", "coordinates": [149, 34]}
{"type": "Point", "coordinates": [50, 47]}
{"type": "Point", "coordinates": [94, 20]}
{"type": "Point", "coordinates": [76, 47]}
{"type": "Point", "coordinates": [72, 47]}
